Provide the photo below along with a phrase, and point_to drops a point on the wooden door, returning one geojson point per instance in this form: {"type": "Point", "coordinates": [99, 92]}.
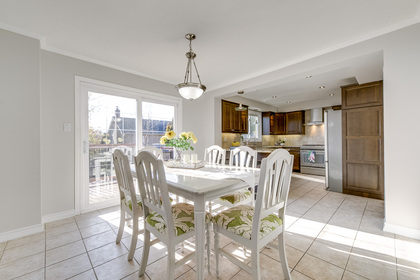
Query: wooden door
{"type": "Point", "coordinates": [363, 170]}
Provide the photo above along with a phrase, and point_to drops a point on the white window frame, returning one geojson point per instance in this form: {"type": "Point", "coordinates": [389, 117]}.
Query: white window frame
{"type": "Point", "coordinates": [82, 85]}
{"type": "Point", "coordinates": [247, 136]}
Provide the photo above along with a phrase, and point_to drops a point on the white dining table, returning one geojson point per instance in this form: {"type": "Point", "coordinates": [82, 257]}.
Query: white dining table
{"type": "Point", "coordinates": [206, 184]}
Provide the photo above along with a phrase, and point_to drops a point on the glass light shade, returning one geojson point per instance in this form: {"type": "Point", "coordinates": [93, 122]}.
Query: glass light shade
{"type": "Point", "coordinates": [190, 91]}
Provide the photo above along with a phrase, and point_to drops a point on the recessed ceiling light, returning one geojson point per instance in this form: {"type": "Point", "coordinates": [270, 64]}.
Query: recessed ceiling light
{"type": "Point", "coordinates": [332, 94]}
{"type": "Point", "coordinates": [322, 87]}
{"type": "Point", "coordinates": [288, 102]}
{"type": "Point", "coordinates": [241, 92]}
{"type": "Point", "coordinates": [307, 77]}
{"type": "Point", "coordinates": [274, 96]}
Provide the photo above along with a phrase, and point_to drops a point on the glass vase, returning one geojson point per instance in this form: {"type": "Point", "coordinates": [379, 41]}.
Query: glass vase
{"type": "Point", "coordinates": [177, 154]}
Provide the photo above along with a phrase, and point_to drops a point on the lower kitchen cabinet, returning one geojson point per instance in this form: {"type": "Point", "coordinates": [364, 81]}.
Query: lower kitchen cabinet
{"type": "Point", "coordinates": [296, 161]}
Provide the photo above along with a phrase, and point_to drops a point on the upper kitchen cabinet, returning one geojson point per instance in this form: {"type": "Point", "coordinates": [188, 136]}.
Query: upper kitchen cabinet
{"type": "Point", "coordinates": [273, 123]}
{"type": "Point", "coordinates": [234, 121]}
{"type": "Point", "coordinates": [365, 95]}
{"type": "Point", "coordinates": [294, 122]}
{"type": "Point", "coordinates": [283, 123]}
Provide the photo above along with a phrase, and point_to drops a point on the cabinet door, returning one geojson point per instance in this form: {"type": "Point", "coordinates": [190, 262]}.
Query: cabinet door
{"type": "Point", "coordinates": [280, 123]}
{"type": "Point", "coordinates": [294, 122]}
{"type": "Point", "coordinates": [266, 123]}
{"type": "Point", "coordinates": [363, 170]}
{"type": "Point", "coordinates": [244, 122]}
{"type": "Point", "coordinates": [296, 160]}
{"type": "Point", "coordinates": [234, 121]}
{"type": "Point", "coordinates": [365, 95]}
{"type": "Point", "coordinates": [226, 117]}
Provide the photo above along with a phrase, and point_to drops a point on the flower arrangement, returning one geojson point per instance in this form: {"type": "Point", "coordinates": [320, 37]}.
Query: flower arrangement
{"type": "Point", "coordinates": [183, 142]}
{"type": "Point", "coordinates": [280, 142]}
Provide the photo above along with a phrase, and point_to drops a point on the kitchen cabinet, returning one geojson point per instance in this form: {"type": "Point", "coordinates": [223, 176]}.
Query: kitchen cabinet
{"type": "Point", "coordinates": [362, 136]}
{"type": "Point", "coordinates": [295, 151]}
{"type": "Point", "coordinates": [234, 121]}
{"type": "Point", "coordinates": [294, 122]}
{"type": "Point", "coordinates": [283, 123]}
{"type": "Point", "coordinates": [273, 123]}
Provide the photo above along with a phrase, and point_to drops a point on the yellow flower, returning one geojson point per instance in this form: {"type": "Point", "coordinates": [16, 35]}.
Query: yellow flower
{"type": "Point", "coordinates": [163, 140]}
{"type": "Point", "coordinates": [194, 139]}
{"type": "Point", "coordinates": [184, 135]}
{"type": "Point", "coordinates": [190, 135]}
{"type": "Point", "coordinates": [170, 134]}
{"type": "Point", "coordinates": [120, 139]}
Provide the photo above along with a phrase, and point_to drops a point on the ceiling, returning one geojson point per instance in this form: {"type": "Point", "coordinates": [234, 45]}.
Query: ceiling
{"type": "Point", "coordinates": [237, 40]}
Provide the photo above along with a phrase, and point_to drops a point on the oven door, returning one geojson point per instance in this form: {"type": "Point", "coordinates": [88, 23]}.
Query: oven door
{"type": "Point", "coordinates": [312, 158]}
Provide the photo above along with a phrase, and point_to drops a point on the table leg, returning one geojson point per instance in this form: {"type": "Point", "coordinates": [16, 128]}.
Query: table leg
{"type": "Point", "coordinates": [199, 214]}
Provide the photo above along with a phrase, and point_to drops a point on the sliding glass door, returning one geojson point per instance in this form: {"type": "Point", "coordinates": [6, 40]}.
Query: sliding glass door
{"type": "Point", "coordinates": [115, 118]}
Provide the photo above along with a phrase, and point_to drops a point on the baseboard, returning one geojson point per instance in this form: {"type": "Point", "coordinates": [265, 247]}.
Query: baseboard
{"type": "Point", "coordinates": [22, 232]}
{"type": "Point", "coordinates": [57, 216]}
{"type": "Point", "coordinates": [405, 231]}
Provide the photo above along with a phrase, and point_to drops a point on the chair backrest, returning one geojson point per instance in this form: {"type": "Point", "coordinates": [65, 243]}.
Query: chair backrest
{"type": "Point", "coordinates": [156, 151]}
{"type": "Point", "coordinates": [243, 157]}
{"type": "Point", "coordinates": [124, 177]}
{"type": "Point", "coordinates": [128, 151]}
{"type": "Point", "coordinates": [273, 186]}
{"type": "Point", "coordinates": [215, 154]}
{"type": "Point", "coordinates": [152, 186]}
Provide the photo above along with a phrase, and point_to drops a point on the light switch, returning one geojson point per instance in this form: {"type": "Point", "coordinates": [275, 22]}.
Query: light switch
{"type": "Point", "coordinates": [66, 127]}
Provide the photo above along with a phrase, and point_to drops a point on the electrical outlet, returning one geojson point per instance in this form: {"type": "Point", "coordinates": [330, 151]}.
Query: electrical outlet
{"type": "Point", "coordinates": [66, 127]}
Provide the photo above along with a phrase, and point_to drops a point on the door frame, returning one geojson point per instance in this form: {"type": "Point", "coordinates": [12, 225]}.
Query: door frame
{"type": "Point", "coordinates": [83, 84]}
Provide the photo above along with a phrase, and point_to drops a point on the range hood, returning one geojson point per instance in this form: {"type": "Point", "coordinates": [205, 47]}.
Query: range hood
{"type": "Point", "coordinates": [316, 117]}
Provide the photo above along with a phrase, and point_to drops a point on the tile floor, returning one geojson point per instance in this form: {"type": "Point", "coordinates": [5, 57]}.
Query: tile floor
{"type": "Point", "coordinates": [329, 236]}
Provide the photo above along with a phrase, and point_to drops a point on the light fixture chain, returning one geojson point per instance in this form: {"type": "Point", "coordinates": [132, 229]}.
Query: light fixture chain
{"type": "Point", "coordinates": [198, 75]}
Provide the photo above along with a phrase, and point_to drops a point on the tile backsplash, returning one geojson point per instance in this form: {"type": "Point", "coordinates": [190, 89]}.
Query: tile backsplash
{"type": "Point", "coordinates": [313, 135]}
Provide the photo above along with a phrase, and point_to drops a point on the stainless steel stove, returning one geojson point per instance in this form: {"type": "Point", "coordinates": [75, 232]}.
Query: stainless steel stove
{"type": "Point", "coordinates": [312, 159]}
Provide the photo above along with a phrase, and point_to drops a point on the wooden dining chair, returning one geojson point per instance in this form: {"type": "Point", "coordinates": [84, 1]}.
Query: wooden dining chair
{"type": "Point", "coordinates": [156, 151]}
{"type": "Point", "coordinates": [171, 224]}
{"type": "Point", "coordinates": [257, 227]}
{"type": "Point", "coordinates": [130, 203]}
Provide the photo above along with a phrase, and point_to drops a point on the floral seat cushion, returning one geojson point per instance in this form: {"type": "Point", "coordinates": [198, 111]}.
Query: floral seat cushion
{"type": "Point", "coordinates": [183, 215]}
{"type": "Point", "coordinates": [237, 197]}
{"type": "Point", "coordinates": [238, 220]}
{"type": "Point", "coordinates": [128, 202]}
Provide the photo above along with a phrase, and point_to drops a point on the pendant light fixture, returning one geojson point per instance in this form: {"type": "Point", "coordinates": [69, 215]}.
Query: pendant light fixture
{"type": "Point", "coordinates": [241, 108]}
{"type": "Point", "coordinates": [188, 89]}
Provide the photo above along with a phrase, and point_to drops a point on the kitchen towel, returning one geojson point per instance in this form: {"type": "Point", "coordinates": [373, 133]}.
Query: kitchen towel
{"type": "Point", "coordinates": [311, 156]}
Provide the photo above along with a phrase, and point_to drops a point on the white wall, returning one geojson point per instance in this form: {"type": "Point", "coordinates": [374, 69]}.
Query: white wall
{"type": "Point", "coordinates": [402, 133]}
{"type": "Point", "coordinates": [20, 181]}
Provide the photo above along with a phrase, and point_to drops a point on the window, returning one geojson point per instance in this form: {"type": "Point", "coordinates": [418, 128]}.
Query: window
{"type": "Point", "coordinates": [254, 127]}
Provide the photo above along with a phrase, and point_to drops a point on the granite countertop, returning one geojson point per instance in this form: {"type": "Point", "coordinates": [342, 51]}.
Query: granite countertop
{"type": "Point", "coordinates": [269, 149]}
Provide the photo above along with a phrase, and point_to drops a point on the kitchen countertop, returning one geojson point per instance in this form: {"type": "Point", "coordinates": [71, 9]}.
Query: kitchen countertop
{"type": "Point", "coordinates": [269, 149]}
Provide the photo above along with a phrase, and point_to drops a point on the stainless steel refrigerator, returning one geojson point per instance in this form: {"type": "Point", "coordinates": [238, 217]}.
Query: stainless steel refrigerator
{"type": "Point", "coordinates": [333, 151]}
